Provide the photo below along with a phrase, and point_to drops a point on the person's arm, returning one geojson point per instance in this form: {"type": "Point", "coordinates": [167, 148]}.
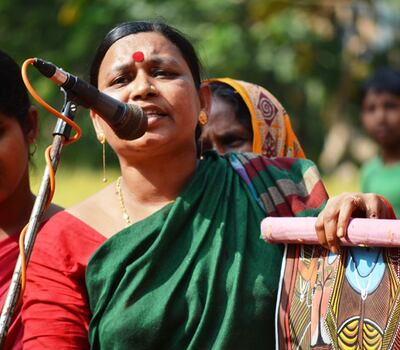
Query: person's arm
{"type": "Point", "coordinates": [55, 311]}
{"type": "Point", "coordinates": [293, 187]}
{"type": "Point", "coordinates": [333, 221]}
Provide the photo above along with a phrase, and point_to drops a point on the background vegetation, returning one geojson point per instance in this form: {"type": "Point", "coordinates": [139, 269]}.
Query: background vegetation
{"type": "Point", "coordinates": [311, 54]}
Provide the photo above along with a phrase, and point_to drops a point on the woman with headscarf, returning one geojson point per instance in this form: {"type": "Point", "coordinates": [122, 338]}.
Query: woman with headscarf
{"type": "Point", "coordinates": [246, 117]}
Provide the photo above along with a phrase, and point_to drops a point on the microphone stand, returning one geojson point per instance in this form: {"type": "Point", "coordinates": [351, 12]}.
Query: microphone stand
{"type": "Point", "coordinates": [61, 133]}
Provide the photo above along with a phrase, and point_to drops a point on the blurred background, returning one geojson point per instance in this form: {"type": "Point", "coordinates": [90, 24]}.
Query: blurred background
{"type": "Point", "coordinates": [311, 54]}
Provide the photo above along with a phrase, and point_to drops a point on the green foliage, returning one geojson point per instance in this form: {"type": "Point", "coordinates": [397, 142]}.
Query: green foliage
{"type": "Point", "coordinates": [311, 54]}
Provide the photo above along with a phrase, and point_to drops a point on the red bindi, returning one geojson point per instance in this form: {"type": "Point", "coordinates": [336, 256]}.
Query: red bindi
{"type": "Point", "coordinates": [138, 56]}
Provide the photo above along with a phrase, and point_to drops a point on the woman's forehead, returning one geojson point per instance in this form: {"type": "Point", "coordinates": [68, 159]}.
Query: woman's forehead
{"type": "Point", "coordinates": [150, 44]}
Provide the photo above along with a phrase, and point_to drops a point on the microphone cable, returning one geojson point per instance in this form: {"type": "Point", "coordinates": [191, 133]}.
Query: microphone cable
{"type": "Point", "coordinates": [52, 185]}
{"type": "Point", "coordinates": [52, 110]}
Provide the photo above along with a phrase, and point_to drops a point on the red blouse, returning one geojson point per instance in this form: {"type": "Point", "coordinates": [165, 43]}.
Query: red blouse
{"type": "Point", "coordinates": [8, 257]}
{"type": "Point", "coordinates": [55, 311]}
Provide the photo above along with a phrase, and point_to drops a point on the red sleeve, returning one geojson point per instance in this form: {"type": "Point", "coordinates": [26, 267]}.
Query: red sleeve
{"type": "Point", "coordinates": [8, 257]}
{"type": "Point", "coordinates": [55, 311]}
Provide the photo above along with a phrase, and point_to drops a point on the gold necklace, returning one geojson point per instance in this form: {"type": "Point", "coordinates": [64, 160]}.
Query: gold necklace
{"type": "Point", "coordinates": [118, 192]}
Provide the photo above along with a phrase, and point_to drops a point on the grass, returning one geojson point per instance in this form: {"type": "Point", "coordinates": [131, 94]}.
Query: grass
{"type": "Point", "coordinates": [75, 184]}
{"type": "Point", "coordinates": [336, 185]}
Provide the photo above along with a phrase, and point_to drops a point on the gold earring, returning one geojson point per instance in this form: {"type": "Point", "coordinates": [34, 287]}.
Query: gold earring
{"type": "Point", "coordinates": [203, 117]}
{"type": "Point", "coordinates": [101, 137]}
{"type": "Point", "coordinates": [201, 149]}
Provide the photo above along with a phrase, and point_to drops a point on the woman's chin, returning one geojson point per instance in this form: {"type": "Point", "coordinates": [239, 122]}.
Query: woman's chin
{"type": "Point", "coordinates": [152, 139]}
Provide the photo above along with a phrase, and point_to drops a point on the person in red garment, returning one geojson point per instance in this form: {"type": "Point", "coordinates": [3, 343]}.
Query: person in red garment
{"type": "Point", "coordinates": [169, 256]}
{"type": "Point", "coordinates": [18, 132]}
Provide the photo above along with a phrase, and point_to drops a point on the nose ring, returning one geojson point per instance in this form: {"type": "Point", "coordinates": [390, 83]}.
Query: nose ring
{"type": "Point", "coordinates": [152, 88]}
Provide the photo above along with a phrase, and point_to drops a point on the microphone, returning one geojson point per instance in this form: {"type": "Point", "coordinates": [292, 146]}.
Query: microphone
{"type": "Point", "coordinates": [128, 121]}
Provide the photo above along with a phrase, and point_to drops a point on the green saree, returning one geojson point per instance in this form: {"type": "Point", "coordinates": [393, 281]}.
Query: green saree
{"type": "Point", "coordinates": [195, 274]}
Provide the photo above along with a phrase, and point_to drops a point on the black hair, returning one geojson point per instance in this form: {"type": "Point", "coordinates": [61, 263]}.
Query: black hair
{"type": "Point", "coordinates": [124, 29]}
{"type": "Point", "coordinates": [231, 96]}
{"type": "Point", "coordinates": [14, 99]}
{"type": "Point", "coordinates": [383, 80]}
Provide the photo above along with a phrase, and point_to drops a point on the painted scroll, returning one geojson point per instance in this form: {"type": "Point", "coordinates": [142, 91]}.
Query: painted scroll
{"type": "Point", "coordinates": [345, 301]}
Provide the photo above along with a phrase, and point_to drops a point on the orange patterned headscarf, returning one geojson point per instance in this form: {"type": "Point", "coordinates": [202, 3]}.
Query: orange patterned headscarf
{"type": "Point", "coordinates": [273, 135]}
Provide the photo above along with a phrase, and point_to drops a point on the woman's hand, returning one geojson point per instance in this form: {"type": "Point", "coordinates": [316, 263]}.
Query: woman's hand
{"type": "Point", "coordinates": [333, 221]}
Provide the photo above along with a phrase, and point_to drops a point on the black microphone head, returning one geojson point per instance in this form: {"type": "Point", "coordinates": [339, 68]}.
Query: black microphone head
{"type": "Point", "coordinates": [128, 121]}
{"type": "Point", "coordinates": [134, 123]}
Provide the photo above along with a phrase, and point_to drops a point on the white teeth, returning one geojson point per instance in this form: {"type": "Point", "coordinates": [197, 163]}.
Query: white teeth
{"type": "Point", "coordinates": [155, 114]}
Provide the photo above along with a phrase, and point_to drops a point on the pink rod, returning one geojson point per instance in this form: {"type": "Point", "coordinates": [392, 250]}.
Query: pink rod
{"type": "Point", "coordinates": [361, 232]}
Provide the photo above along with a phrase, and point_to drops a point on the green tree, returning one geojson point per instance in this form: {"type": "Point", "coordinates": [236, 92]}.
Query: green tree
{"type": "Point", "coordinates": [311, 54]}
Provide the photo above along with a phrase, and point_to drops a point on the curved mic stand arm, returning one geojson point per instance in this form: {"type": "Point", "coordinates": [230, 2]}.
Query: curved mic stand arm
{"type": "Point", "coordinates": [61, 133]}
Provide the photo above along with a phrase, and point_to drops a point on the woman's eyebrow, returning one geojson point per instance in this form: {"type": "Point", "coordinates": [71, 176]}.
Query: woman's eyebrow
{"type": "Point", "coordinates": [120, 67]}
{"type": "Point", "coordinates": [155, 60]}
{"type": "Point", "coordinates": [163, 60]}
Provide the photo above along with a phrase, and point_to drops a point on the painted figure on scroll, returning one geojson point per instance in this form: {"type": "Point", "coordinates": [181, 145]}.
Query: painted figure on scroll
{"type": "Point", "coordinates": [345, 301]}
{"type": "Point", "coordinates": [169, 256]}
